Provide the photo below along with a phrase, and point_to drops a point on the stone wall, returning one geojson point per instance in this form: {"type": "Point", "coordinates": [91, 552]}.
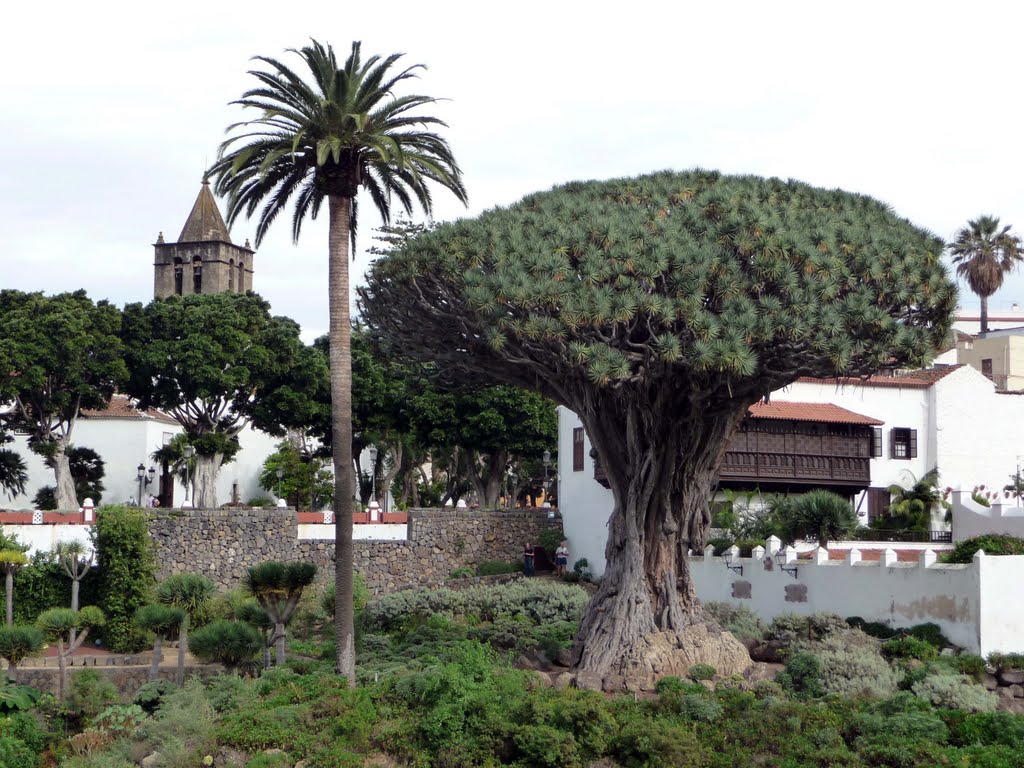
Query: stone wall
{"type": "Point", "coordinates": [127, 678]}
{"type": "Point", "coordinates": [222, 543]}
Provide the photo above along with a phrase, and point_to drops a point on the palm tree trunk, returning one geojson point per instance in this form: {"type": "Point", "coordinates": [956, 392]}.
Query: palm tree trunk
{"type": "Point", "coordinates": [9, 584]}
{"type": "Point", "coordinates": [341, 432]}
{"type": "Point", "coordinates": [984, 314]}
{"type": "Point", "coordinates": [158, 652]}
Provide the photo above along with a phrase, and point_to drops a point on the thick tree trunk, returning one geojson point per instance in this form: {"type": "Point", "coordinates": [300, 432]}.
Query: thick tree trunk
{"type": "Point", "coordinates": [340, 334]}
{"type": "Point", "coordinates": [489, 485]}
{"type": "Point", "coordinates": [645, 621]}
{"type": "Point", "coordinates": [9, 587]}
{"type": "Point", "coordinates": [64, 492]}
{"type": "Point", "coordinates": [205, 483]}
{"type": "Point", "coordinates": [280, 648]}
{"type": "Point", "coordinates": [158, 655]}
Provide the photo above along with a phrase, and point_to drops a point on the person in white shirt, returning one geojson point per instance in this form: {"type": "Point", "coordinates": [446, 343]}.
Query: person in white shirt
{"type": "Point", "coordinates": [561, 559]}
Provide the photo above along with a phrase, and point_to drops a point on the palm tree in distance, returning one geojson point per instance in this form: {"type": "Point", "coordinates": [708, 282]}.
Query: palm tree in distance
{"type": "Point", "coordinates": [984, 254]}
{"type": "Point", "coordinates": [324, 134]}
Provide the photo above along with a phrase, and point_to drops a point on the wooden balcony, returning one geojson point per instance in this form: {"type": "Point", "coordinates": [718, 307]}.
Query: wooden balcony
{"type": "Point", "coordinates": [794, 469]}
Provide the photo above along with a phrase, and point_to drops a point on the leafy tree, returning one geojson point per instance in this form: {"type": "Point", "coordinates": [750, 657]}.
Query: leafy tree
{"type": "Point", "coordinates": [306, 480]}
{"type": "Point", "coordinates": [659, 309]}
{"type": "Point", "coordinates": [75, 558]}
{"type": "Point", "coordinates": [61, 354]}
{"type": "Point", "coordinates": [278, 588]}
{"type": "Point", "coordinates": [324, 136]}
{"type": "Point", "coordinates": [911, 508]}
{"type": "Point", "coordinates": [58, 624]}
{"type": "Point", "coordinates": [191, 593]}
{"type": "Point", "coordinates": [87, 470]}
{"type": "Point", "coordinates": [126, 573]}
{"type": "Point", "coordinates": [18, 644]}
{"type": "Point", "coordinates": [984, 253]}
{"type": "Point", "coordinates": [11, 561]}
{"type": "Point", "coordinates": [217, 363]}
{"type": "Point", "coordinates": [163, 621]}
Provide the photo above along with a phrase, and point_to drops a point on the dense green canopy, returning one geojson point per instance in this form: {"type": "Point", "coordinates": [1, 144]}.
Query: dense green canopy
{"type": "Point", "coordinates": [733, 282]}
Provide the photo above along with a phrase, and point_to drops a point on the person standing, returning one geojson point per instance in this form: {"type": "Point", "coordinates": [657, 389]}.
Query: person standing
{"type": "Point", "coordinates": [561, 559]}
{"type": "Point", "coordinates": [528, 555]}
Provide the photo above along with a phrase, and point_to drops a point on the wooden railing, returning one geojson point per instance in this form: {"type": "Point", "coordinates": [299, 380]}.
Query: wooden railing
{"type": "Point", "coordinates": [746, 465]}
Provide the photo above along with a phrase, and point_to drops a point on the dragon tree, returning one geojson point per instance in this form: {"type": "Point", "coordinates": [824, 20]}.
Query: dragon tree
{"type": "Point", "coordinates": [659, 308]}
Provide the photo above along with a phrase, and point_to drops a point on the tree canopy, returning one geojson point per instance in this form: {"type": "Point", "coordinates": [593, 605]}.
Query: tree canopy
{"type": "Point", "coordinates": [659, 308]}
{"type": "Point", "coordinates": [217, 363]}
{"type": "Point", "coordinates": [58, 355]}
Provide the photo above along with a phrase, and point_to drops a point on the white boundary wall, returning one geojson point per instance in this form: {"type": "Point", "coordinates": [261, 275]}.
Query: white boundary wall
{"type": "Point", "coordinates": [971, 519]}
{"type": "Point", "coordinates": [976, 605]}
{"type": "Point", "coordinates": [368, 531]}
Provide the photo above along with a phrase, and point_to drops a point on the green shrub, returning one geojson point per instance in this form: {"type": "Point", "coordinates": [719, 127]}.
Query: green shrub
{"type": "Point", "coordinates": [497, 567]}
{"type": "Point", "coordinates": [657, 744]}
{"type": "Point", "coordinates": [581, 568]}
{"type": "Point", "coordinates": [546, 747]}
{"type": "Point", "coordinates": [461, 573]}
{"type": "Point", "coordinates": [872, 628]}
{"type": "Point", "coordinates": [791, 627]}
{"type": "Point", "coordinates": [183, 727]}
{"type": "Point", "coordinates": [985, 729]}
{"type": "Point", "coordinates": [739, 620]}
{"type": "Point", "coordinates": [120, 721]}
{"type": "Point", "coordinates": [930, 633]}
{"type": "Point", "coordinates": [851, 665]}
{"type": "Point", "coordinates": [671, 684]}
{"type": "Point", "coordinates": [231, 643]}
{"type": "Point", "coordinates": [992, 544]}
{"type": "Point", "coordinates": [909, 648]}
{"type": "Point", "coordinates": [89, 694]}
{"type": "Point", "coordinates": [700, 672]}
{"type": "Point", "coordinates": [720, 545]}
{"type": "Point", "coordinates": [276, 760]}
{"type": "Point", "coordinates": [26, 728]}
{"type": "Point", "coordinates": [126, 575]}
{"type": "Point", "coordinates": [966, 664]}
{"type": "Point", "coordinates": [14, 753]}
{"type": "Point", "coordinates": [260, 501]}
{"type": "Point", "coordinates": [550, 539]}
{"type": "Point", "coordinates": [1007, 660]}
{"type": "Point", "coordinates": [151, 695]}
{"type": "Point", "coordinates": [802, 675]}
{"type": "Point", "coordinates": [766, 689]}
{"type": "Point", "coordinates": [955, 692]}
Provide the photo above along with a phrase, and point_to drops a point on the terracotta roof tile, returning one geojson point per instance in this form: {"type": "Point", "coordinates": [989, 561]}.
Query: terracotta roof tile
{"type": "Point", "coordinates": [826, 413]}
{"type": "Point", "coordinates": [121, 407]}
{"type": "Point", "coordinates": [919, 379]}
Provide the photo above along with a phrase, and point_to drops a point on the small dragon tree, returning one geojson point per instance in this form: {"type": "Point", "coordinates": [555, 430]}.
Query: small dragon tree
{"type": "Point", "coordinates": [659, 309]}
{"type": "Point", "coordinates": [278, 588]}
{"type": "Point", "coordinates": [11, 561]}
{"type": "Point", "coordinates": [163, 621]}
{"type": "Point", "coordinates": [76, 559]}
{"type": "Point", "coordinates": [232, 643]}
{"type": "Point", "coordinates": [191, 593]}
{"type": "Point", "coordinates": [250, 612]}
{"type": "Point", "coordinates": [57, 624]}
{"type": "Point", "coordinates": [18, 644]}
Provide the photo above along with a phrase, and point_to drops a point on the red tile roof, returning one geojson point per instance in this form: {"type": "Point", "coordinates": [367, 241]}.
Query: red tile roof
{"type": "Point", "coordinates": [826, 413]}
{"type": "Point", "coordinates": [920, 379]}
{"type": "Point", "coordinates": [121, 407]}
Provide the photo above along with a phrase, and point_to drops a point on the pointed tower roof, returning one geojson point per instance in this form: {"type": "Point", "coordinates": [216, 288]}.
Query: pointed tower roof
{"type": "Point", "coordinates": [205, 221]}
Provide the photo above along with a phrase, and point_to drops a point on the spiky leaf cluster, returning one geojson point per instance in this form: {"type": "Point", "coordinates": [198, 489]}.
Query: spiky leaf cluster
{"type": "Point", "coordinates": [721, 282]}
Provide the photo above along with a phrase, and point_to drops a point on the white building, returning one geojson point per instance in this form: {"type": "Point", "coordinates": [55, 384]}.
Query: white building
{"type": "Point", "coordinates": [950, 417]}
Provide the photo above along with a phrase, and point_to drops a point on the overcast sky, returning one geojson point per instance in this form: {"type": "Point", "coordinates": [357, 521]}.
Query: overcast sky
{"type": "Point", "coordinates": [112, 110]}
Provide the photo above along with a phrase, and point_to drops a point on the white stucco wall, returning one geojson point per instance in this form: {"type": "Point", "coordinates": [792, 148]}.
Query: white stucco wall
{"type": "Point", "coordinates": [585, 504]}
{"type": "Point", "coordinates": [975, 605]}
{"type": "Point", "coordinates": [369, 531]}
{"type": "Point", "coordinates": [971, 519]}
{"type": "Point", "coordinates": [41, 538]}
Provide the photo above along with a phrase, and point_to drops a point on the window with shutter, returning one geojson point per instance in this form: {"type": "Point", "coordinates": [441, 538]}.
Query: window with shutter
{"type": "Point", "coordinates": [903, 443]}
{"type": "Point", "coordinates": [577, 449]}
{"type": "Point", "coordinates": [876, 442]}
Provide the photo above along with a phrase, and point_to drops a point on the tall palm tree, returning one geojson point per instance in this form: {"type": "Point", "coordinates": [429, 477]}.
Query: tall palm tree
{"type": "Point", "coordinates": [324, 134]}
{"type": "Point", "coordinates": [984, 254]}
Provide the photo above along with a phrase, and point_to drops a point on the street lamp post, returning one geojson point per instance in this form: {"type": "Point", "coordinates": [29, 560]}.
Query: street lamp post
{"type": "Point", "coordinates": [189, 453]}
{"type": "Point", "coordinates": [144, 478]}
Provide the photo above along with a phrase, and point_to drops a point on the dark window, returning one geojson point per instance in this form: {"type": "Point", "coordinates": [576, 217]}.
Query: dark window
{"type": "Point", "coordinates": [231, 275]}
{"type": "Point", "coordinates": [876, 442]}
{"type": "Point", "coordinates": [178, 279]}
{"type": "Point", "coordinates": [986, 367]}
{"type": "Point", "coordinates": [197, 275]}
{"type": "Point", "coordinates": [241, 276]}
{"type": "Point", "coordinates": [878, 503]}
{"type": "Point", "coordinates": [903, 443]}
{"type": "Point", "coordinates": [577, 449]}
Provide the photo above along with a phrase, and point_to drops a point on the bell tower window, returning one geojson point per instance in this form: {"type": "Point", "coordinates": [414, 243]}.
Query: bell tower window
{"type": "Point", "coordinates": [197, 275]}
{"type": "Point", "coordinates": [178, 276]}
{"type": "Point", "coordinates": [241, 276]}
{"type": "Point", "coordinates": [231, 275]}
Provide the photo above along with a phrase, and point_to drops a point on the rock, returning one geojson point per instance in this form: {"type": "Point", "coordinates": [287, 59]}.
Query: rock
{"type": "Point", "coordinates": [588, 681]}
{"type": "Point", "coordinates": [1017, 691]}
{"type": "Point", "coordinates": [229, 758]}
{"type": "Point", "coordinates": [564, 680]}
{"type": "Point", "coordinates": [564, 657]}
{"type": "Point", "coordinates": [1010, 676]}
{"type": "Point", "coordinates": [1005, 693]}
{"type": "Point", "coordinates": [768, 653]}
{"type": "Point", "coordinates": [989, 681]}
{"type": "Point", "coordinates": [154, 760]}
{"type": "Point", "coordinates": [539, 680]}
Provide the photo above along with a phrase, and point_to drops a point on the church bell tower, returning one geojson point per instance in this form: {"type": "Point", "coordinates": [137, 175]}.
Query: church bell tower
{"type": "Point", "coordinates": [204, 260]}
